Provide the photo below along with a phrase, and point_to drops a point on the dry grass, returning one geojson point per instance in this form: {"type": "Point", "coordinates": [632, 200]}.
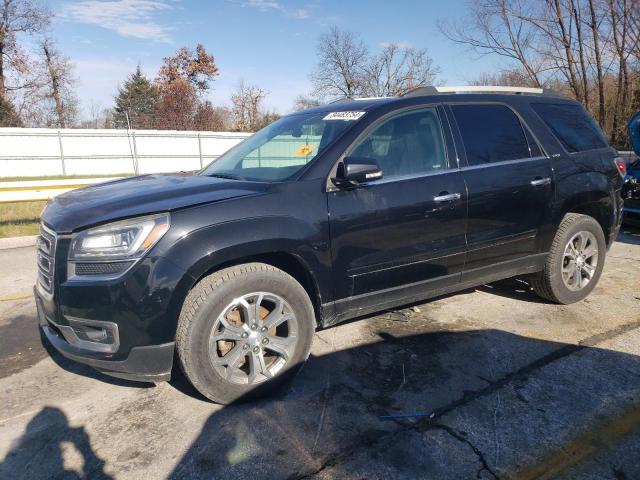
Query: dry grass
{"type": "Point", "coordinates": [20, 218]}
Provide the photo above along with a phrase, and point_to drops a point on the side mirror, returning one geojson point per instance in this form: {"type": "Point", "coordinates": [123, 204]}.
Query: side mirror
{"type": "Point", "coordinates": [353, 171]}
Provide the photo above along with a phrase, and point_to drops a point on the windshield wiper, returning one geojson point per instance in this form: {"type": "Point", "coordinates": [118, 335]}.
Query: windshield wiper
{"type": "Point", "coordinates": [227, 176]}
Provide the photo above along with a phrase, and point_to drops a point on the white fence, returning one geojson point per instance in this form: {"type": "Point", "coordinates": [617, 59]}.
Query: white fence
{"type": "Point", "coordinates": [29, 152]}
{"type": "Point", "coordinates": [33, 152]}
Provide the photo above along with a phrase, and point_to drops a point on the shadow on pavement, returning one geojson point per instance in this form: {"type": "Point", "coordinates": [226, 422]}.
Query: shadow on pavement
{"type": "Point", "coordinates": [515, 288]}
{"type": "Point", "coordinates": [39, 454]}
{"type": "Point", "coordinates": [494, 404]}
{"type": "Point", "coordinates": [327, 421]}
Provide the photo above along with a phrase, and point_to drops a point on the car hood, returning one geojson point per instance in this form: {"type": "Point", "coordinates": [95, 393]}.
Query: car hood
{"type": "Point", "coordinates": [134, 196]}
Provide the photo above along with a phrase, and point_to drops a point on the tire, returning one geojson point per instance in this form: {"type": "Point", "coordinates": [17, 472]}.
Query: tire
{"type": "Point", "coordinates": [226, 300]}
{"type": "Point", "coordinates": [554, 285]}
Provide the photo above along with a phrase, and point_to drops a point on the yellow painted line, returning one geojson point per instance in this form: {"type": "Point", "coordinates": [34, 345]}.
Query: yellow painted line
{"type": "Point", "coordinates": [584, 446]}
{"type": "Point", "coordinates": [16, 296]}
{"type": "Point", "coordinates": [44, 187]}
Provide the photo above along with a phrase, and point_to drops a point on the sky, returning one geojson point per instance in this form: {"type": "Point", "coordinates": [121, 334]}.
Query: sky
{"type": "Point", "coordinates": [268, 43]}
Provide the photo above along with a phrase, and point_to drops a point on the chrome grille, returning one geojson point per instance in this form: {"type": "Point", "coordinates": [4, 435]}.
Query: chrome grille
{"type": "Point", "coordinates": [46, 255]}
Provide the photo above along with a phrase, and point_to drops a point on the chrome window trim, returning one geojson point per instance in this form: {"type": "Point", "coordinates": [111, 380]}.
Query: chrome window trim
{"type": "Point", "coordinates": [404, 178]}
{"type": "Point", "coordinates": [504, 162]}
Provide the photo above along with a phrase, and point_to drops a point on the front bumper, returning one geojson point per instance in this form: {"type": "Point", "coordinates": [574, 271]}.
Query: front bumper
{"type": "Point", "coordinates": [149, 363]}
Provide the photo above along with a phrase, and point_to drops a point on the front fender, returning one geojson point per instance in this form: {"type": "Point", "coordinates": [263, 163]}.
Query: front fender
{"type": "Point", "coordinates": [215, 246]}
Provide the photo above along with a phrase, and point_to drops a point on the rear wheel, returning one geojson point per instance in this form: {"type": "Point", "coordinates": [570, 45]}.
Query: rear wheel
{"type": "Point", "coordinates": [575, 261]}
{"type": "Point", "coordinates": [244, 330]}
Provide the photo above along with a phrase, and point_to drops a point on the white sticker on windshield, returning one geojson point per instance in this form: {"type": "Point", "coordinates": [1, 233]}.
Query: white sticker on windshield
{"type": "Point", "coordinates": [349, 116]}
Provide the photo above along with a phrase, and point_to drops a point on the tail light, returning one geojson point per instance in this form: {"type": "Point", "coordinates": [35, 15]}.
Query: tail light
{"type": "Point", "coordinates": [621, 165]}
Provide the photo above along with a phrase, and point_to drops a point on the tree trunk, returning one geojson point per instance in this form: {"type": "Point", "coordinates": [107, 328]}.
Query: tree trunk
{"type": "Point", "coordinates": [596, 46]}
{"type": "Point", "coordinates": [566, 43]}
{"type": "Point", "coordinates": [2, 92]}
{"type": "Point", "coordinates": [3, 45]}
{"type": "Point", "coordinates": [583, 66]}
{"type": "Point", "coordinates": [623, 82]}
{"type": "Point", "coordinates": [624, 101]}
{"type": "Point", "coordinates": [55, 85]}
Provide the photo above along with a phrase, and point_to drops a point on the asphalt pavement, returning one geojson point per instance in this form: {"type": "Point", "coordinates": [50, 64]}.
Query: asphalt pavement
{"type": "Point", "coordinates": [503, 385]}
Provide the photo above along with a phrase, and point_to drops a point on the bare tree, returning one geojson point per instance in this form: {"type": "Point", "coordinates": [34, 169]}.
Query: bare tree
{"type": "Point", "coordinates": [99, 117]}
{"type": "Point", "coordinates": [514, 77]}
{"type": "Point", "coordinates": [59, 85]}
{"type": "Point", "coordinates": [247, 108]}
{"type": "Point", "coordinates": [398, 69]}
{"type": "Point", "coordinates": [18, 17]}
{"type": "Point", "coordinates": [595, 16]}
{"type": "Point", "coordinates": [342, 57]}
{"type": "Point", "coordinates": [588, 48]}
{"type": "Point", "coordinates": [620, 14]}
{"type": "Point", "coordinates": [303, 102]}
{"type": "Point", "coordinates": [499, 27]}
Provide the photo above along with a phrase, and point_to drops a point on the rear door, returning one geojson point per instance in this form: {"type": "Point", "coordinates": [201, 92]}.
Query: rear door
{"type": "Point", "coordinates": [407, 228]}
{"type": "Point", "coordinates": [510, 187]}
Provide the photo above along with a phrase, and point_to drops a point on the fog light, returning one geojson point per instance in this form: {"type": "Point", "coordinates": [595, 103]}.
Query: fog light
{"type": "Point", "coordinates": [92, 334]}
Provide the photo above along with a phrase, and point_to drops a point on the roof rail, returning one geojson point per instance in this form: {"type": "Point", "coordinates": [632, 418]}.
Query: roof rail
{"type": "Point", "coordinates": [430, 90]}
{"type": "Point", "coordinates": [355, 99]}
{"type": "Point", "coordinates": [421, 91]}
{"type": "Point", "coordinates": [341, 100]}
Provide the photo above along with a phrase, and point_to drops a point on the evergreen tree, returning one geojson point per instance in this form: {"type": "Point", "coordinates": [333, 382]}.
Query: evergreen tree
{"type": "Point", "coordinates": [137, 99]}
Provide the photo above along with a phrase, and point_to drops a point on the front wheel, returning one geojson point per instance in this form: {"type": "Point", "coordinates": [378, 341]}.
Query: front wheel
{"type": "Point", "coordinates": [575, 261]}
{"type": "Point", "coordinates": [244, 330]}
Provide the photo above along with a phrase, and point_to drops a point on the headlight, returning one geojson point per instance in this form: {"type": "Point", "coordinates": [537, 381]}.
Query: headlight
{"type": "Point", "coordinates": [124, 240]}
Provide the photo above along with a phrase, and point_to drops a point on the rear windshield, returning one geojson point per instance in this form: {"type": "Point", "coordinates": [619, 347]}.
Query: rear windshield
{"type": "Point", "coordinates": [280, 150]}
{"type": "Point", "coordinates": [572, 126]}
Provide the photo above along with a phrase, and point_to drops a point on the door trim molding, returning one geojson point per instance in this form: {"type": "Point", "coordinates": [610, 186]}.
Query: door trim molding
{"type": "Point", "coordinates": [364, 304]}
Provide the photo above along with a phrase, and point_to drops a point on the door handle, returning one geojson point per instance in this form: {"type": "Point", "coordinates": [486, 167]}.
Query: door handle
{"type": "Point", "coordinates": [541, 181]}
{"type": "Point", "coordinates": [449, 197]}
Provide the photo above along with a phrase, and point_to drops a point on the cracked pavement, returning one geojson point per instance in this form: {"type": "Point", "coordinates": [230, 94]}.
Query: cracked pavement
{"type": "Point", "coordinates": [505, 386]}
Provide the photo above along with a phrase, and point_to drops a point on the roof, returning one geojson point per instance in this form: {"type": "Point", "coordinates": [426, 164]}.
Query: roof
{"type": "Point", "coordinates": [439, 94]}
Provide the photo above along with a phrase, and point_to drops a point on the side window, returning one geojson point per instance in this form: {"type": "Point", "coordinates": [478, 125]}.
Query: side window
{"type": "Point", "coordinates": [491, 133]}
{"type": "Point", "coordinates": [572, 126]}
{"type": "Point", "coordinates": [406, 144]}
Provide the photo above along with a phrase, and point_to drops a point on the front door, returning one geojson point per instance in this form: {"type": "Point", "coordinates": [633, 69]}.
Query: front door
{"type": "Point", "coordinates": [406, 229]}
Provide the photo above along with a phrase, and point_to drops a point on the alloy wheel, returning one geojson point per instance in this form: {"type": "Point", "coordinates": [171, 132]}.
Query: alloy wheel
{"type": "Point", "coordinates": [253, 338]}
{"type": "Point", "coordinates": [579, 260]}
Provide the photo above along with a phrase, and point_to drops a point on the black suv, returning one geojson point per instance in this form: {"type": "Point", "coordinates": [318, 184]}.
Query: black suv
{"type": "Point", "coordinates": [327, 214]}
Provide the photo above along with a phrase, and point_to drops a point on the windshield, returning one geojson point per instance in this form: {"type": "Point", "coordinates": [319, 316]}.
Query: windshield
{"type": "Point", "coordinates": [282, 149]}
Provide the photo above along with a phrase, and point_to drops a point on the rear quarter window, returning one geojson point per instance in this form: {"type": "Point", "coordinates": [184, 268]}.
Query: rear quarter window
{"type": "Point", "coordinates": [572, 126]}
